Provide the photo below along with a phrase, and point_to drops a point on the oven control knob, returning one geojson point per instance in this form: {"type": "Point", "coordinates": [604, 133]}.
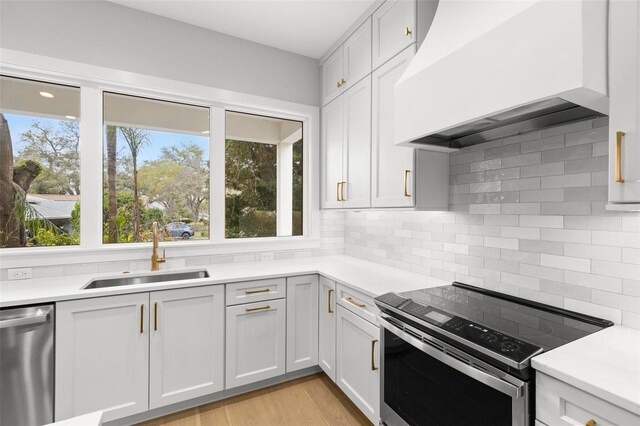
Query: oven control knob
{"type": "Point", "coordinates": [488, 337]}
{"type": "Point", "coordinates": [509, 347]}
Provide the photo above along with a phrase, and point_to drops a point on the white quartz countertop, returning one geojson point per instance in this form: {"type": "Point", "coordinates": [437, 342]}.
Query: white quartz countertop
{"type": "Point", "coordinates": [370, 278]}
{"type": "Point", "coordinates": [605, 364]}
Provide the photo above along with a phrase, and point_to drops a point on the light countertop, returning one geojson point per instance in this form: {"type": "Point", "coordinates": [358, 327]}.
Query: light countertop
{"type": "Point", "coordinates": [605, 364]}
{"type": "Point", "coordinates": [369, 278]}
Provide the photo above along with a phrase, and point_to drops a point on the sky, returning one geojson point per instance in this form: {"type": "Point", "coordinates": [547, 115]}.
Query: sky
{"type": "Point", "coordinates": [19, 124]}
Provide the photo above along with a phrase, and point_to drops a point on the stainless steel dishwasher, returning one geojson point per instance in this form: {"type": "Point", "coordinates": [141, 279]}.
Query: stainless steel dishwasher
{"type": "Point", "coordinates": [26, 365]}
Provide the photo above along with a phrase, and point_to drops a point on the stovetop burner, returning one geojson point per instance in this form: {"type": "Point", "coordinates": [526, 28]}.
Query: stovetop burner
{"type": "Point", "coordinates": [501, 326]}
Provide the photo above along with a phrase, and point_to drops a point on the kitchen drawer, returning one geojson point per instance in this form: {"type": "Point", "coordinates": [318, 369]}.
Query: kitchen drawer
{"type": "Point", "coordinates": [256, 291]}
{"type": "Point", "coordinates": [558, 403]}
{"type": "Point", "coordinates": [358, 303]}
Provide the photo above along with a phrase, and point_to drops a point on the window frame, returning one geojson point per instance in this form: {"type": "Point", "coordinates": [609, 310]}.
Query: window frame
{"type": "Point", "coordinates": [93, 82]}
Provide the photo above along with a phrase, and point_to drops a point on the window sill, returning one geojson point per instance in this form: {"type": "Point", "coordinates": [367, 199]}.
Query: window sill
{"type": "Point", "coordinates": [48, 256]}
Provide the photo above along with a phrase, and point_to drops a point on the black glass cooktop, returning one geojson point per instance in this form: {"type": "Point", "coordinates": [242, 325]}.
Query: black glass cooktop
{"type": "Point", "coordinates": [508, 326]}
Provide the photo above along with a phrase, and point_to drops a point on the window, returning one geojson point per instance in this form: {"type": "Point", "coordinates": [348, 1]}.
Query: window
{"type": "Point", "coordinates": [263, 176]}
{"type": "Point", "coordinates": [39, 163]}
{"type": "Point", "coordinates": [156, 169]}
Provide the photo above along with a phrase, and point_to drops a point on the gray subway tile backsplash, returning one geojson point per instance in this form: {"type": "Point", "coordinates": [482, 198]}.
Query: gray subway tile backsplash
{"type": "Point", "coordinates": [537, 225]}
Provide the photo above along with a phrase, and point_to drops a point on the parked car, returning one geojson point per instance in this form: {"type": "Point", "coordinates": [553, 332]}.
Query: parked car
{"type": "Point", "coordinates": [180, 229]}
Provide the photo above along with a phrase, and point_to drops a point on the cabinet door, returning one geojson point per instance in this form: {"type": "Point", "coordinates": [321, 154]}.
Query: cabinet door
{"type": "Point", "coordinates": [356, 191]}
{"type": "Point", "coordinates": [392, 166]}
{"type": "Point", "coordinates": [256, 339]}
{"type": "Point", "coordinates": [102, 354]}
{"type": "Point", "coordinates": [394, 28]}
{"type": "Point", "coordinates": [186, 344]}
{"type": "Point", "coordinates": [332, 75]}
{"type": "Point", "coordinates": [357, 55]}
{"type": "Point", "coordinates": [327, 327]}
{"type": "Point", "coordinates": [358, 362]}
{"type": "Point", "coordinates": [624, 113]}
{"type": "Point", "coordinates": [302, 322]}
{"type": "Point", "coordinates": [332, 151]}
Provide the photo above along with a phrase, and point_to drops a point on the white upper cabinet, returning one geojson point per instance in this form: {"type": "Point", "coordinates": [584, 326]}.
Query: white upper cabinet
{"type": "Point", "coordinates": [346, 149]}
{"type": "Point", "coordinates": [186, 345]}
{"type": "Point", "coordinates": [331, 154]}
{"type": "Point", "coordinates": [302, 322]}
{"type": "Point", "coordinates": [102, 356]}
{"type": "Point", "coordinates": [327, 327]}
{"type": "Point", "coordinates": [349, 64]}
{"type": "Point", "coordinates": [355, 191]}
{"type": "Point", "coordinates": [392, 166]}
{"type": "Point", "coordinates": [624, 109]}
{"type": "Point", "coordinates": [394, 28]}
{"type": "Point", "coordinates": [256, 338]}
{"type": "Point", "coordinates": [332, 76]}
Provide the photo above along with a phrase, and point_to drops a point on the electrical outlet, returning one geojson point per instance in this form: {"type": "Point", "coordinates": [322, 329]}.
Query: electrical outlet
{"type": "Point", "coordinates": [266, 255]}
{"type": "Point", "coordinates": [19, 274]}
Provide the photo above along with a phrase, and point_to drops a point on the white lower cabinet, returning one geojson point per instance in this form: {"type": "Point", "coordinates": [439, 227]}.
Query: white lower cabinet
{"type": "Point", "coordinates": [558, 403]}
{"type": "Point", "coordinates": [302, 322]}
{"type": "Point", "coordinates": [357, 362]}
{"type": "Point", "coordinates": [186, 344]}
{"type": "Point", "coordinates": [327, 327]}
{"type": "Point", "coordinates": [255, 344]}
{"type": "Point", "coordinates": [102, 356]}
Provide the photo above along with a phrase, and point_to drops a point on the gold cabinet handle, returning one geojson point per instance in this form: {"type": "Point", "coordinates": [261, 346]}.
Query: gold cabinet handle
{"type": "Point", "coordinates": [142, 318]}
{"type": "Point", "coordinates": [406, 183]}
{"type": "Point", "coordinates": [619, 136]}
{"type": "Point", "coordinates": [407, 31]}
{"type": "Point", "coordinates": [265, 290]}
{"type": "Point", "coordinates": [329, 301]}
{"type": "Point", "coordinates": [353, 302]}
{"type": "Point", "coordinates": [338, 84]}
{"type": "Point", "coordinates": [343, 82]}
{"type": "Point", "coordinates": [342, 191]}
{"type": "Point", "coordinates": [261, 308]}
{"type": "Point", "coordinates": [373, 355]}
{"type": "Point", "coordinates": [338, 191]}
{"type": "Point", "coordinates": [155, 316]}
{"type": "Point", "coordinates": [591, 422]}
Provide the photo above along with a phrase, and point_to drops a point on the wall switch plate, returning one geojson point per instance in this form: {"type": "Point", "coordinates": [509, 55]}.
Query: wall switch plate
{"type": "Point", "coordinates": [19, 274]}
{"type": "Point", "coordinates": [266, 255]}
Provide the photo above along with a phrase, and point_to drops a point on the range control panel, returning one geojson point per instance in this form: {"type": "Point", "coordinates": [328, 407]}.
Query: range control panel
{"type": "Point", "coordinates": [488, 338]}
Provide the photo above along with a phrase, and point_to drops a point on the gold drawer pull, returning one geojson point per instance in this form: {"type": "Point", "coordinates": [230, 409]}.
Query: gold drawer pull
{"type": "Point", "coordinates": [266, 290]}
{"type": "Point", "coordinates": [329, 301]}
{"type": "Point", "coordinates": [338, 84]}
{"type": "Point", "coordinates": [342, 191]}
{"type": "Point", "coordinates": [353, 302]}
{"type": "Point", "coordinates": [262, 308]}
{"type": "Point", "coordinates": [155, 316]}
{"type": "Point", "coordinates": [407, 31]}
{"type": "Point", "coordinates": [406, 183]}
{"type": "Point", "coordinates": [591, 422]}
{"type": "Point", "coordinates": [338, 191]}
{"type": "Point", "coordinates": [619, 136]}
{"type": "Point", "coordinates": [142, 318]}
{"type": "Point", "coordinates": [373, 356]}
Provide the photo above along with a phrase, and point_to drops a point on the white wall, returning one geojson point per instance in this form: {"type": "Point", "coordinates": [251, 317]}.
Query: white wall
{"type": "Point", "coordinates": [114, 36]}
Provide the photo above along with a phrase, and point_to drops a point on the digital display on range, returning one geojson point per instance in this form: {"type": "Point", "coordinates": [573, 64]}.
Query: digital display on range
{"type": "Point", "coordinates": [437, 316]}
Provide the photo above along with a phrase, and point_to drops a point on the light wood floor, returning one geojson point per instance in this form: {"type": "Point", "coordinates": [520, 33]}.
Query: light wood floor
{"type": "Point", "coordinates": [312, 400]}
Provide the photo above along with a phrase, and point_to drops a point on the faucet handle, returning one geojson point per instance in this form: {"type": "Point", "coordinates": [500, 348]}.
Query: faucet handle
{"type": "Point", "coordinates": [164, 255]}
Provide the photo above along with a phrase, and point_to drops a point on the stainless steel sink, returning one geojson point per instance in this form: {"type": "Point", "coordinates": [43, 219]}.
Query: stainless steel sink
{"type": "Point", "coordinates": [146, 279]}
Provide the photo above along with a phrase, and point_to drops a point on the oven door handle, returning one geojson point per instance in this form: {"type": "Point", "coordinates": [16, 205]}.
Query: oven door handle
{"type": "Point", "coordinates": [514, 391]}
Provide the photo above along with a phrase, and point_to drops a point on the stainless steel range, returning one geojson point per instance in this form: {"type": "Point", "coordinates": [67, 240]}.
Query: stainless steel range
{"type": "Point", "coordinates": [461, 355]}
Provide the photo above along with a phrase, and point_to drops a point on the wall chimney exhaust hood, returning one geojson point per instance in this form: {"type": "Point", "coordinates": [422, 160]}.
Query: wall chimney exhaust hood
{"type": "Point", "coordinates": [489, 69]}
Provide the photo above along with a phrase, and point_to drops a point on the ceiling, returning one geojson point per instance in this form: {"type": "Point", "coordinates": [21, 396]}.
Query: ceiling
{"type": "Point", "coordinates": [306, 27]}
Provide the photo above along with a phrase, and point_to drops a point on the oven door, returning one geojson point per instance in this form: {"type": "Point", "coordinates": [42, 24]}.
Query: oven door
{"type": "Point", "coordinates": [425, 381]}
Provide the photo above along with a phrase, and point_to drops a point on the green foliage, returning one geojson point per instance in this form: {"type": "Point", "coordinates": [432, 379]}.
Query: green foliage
{"type": "Point", "coordinates": [57, 150]}
{"type": "Point", "coordinates": [251, 186]}
{"type": "Point", "coordinates": [49, 237]}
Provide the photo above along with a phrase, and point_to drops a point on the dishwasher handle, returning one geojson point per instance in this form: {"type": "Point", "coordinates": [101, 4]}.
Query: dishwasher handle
{"type": "Point", "coordinates": [38, 318]}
